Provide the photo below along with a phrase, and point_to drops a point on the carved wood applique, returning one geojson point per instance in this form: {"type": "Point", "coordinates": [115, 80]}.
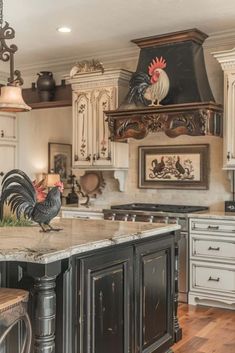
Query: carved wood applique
{"type": "Point", "coordinates": [175, 120]}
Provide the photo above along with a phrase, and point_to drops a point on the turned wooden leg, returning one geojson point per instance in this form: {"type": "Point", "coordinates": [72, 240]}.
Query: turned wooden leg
{"type": "Point", "coordinates": [44, 315]}
{"type": "Point", "coordinates": [44, 305]}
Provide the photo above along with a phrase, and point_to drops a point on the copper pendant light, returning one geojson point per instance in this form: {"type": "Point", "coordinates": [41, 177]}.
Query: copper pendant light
{"type": "Point", "coordinates": [11, 99]}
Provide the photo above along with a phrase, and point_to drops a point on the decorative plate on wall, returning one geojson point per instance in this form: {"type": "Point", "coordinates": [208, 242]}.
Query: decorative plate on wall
{"type": "Point", "coordinates": [92, 183]}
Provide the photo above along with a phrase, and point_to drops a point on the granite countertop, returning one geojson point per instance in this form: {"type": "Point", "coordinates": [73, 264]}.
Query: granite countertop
{"type": "Point", "coordinates": [214, 214]}
{"type": "Point", "coordinates": [28, 244]}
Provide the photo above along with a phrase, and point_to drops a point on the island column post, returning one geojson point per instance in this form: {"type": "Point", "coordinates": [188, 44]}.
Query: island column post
{"type": "Point", "coordinates": [44, 305]}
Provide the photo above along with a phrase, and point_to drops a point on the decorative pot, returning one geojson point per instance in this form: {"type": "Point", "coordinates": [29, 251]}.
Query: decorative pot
{"type": "Point", "coordinates": [46, 86]}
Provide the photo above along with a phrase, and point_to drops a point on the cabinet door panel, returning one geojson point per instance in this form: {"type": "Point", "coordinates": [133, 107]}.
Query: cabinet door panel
{"type": "Point", "coordinates": [8, 126]}
{"type": "Point", "coordinates": [154, 302]}
{"type": "Point", "coordinates": [229, 111]}
{"type": "Point", "coordinates": [104, 302]}
{"type": "Point", "coordinates": [82, 130]}
{"type": "Point", "coordinates": [104, 101]}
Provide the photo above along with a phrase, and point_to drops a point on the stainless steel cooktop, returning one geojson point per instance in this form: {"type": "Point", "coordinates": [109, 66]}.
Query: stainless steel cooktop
{"type": "Point", "coordinates": [151, 207]}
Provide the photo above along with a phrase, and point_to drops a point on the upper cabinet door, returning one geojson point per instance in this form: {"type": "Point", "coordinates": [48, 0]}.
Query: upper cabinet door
{"type": "Point", "coordinates": [8, 127]}
{"type": "Point", "coordinates": [103, 152]}
{"type": "Point", "coordinates": [82, 129]}
{"type": "Point", "coordinates": [229, 123]}
{"type": "Point", "coordinates": [227, 60]}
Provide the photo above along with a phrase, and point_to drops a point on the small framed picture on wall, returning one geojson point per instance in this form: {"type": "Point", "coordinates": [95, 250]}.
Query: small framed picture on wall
{"type": "Point", "coordinates": [60, 159]}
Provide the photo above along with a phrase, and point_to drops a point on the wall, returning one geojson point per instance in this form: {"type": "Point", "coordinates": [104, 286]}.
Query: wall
{"type": "Point", "coordinates": [214, 197]}
{"type": "Point", "coordinates": [36, 129]}
{"type": "Point", "coordinates": [39, 127]}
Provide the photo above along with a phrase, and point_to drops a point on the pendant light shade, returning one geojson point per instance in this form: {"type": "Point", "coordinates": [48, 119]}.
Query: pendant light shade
{"type": "Point", "coordinates": [11, 100]}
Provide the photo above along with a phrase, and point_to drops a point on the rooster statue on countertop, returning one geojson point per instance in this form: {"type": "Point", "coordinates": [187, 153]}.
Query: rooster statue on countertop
{"type": "Point", "coordinates": [151, 88]}
{"type": "Point", "coordinates": [28, 199]}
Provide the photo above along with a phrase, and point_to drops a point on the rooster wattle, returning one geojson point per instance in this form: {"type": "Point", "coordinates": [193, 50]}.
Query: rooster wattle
{"type": "Point", "coordinates": [22, 195]}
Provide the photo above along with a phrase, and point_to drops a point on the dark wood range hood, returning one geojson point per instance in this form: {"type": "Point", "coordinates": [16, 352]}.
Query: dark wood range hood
{"type": "Point", "coordinates": [187, 109]}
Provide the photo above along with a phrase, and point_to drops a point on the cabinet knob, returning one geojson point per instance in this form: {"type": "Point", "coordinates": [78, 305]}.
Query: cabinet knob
{"type": "Point", "coordinates": [1, 174]}
{"type": "Point", "coordinates": [125, 217]}
{"type": "Point", "coordinates": [94, 157]}
{"type": "Point", "coordinates": [228, 156]}
{"type": "Point", "coordinates": [150, 220]}
{"type": "Point", "coordinates": [113, 216]}
{"type": "Point", "coordinates": [133, 217]}
{"type": "Point", "coordinates": [2, 133]}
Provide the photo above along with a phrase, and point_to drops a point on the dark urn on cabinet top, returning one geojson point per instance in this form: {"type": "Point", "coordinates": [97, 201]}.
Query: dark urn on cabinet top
{"type": "Point", "coordinates": [46, 86]}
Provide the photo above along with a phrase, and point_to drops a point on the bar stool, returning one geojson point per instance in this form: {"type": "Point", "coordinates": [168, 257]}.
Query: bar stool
{"type": "Point", "coordinates": [13, 309]}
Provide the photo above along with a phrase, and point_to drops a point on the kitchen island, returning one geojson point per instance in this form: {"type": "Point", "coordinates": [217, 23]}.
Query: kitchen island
{"type": "Point", "coordinates": [96, 286]}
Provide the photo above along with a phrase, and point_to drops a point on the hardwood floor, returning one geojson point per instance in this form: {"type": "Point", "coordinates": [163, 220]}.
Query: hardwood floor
{"type": "Point", "coordinates": [206, 330]}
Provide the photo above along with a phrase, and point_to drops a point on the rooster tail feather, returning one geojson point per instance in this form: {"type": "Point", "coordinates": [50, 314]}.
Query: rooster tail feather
{"type": "Point", "coordinates": [16, 172]}
{"type": "Point", "coordinates": [138, 85]}
{"type": "Point", "coordinates": [15, 190]}
{"type": "Point", "coordinates": [19, 193]}
{"type": "Point", "coordinates": [18, 180]}
{"type": "Point", "coordinates": [1, 210]}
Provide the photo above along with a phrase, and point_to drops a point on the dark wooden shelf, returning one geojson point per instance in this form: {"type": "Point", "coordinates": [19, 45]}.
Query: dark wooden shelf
{"type": "Point", "coordinates": [63, 98]}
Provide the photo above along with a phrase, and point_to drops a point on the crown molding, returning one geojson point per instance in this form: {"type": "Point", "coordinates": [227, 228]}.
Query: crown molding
{"type": "Point", "coordinates": [117, 57]}
{"type": "Point", "coordinates": [220, 39]}
{"type": "Point", "coordinates": [65, 64]}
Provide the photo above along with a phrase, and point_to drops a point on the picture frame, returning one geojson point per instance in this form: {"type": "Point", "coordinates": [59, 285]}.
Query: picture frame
{"type": "Point", "coordinates": [174, 167]}
{"type": "Point", "coordinates": [60, 160]}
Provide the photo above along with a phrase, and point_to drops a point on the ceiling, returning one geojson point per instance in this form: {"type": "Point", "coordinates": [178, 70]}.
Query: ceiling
{"type": "Point", "coordinates": [101, 26]}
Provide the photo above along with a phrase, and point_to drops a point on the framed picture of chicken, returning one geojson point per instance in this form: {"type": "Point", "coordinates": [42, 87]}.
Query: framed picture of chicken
{"type": "Point", "coordinates": [174, 167]}
{"type": "Point", "coordinates": [60, 160]}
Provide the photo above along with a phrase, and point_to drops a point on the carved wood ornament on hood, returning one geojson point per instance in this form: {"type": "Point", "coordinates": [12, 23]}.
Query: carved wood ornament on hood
{"type": "Point", "coordinates": [169, 91]}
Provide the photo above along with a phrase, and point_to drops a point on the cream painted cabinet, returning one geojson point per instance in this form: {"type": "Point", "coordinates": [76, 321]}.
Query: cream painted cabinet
{"type": "Point", "coordinates": [8, 143]}
{"type": "Point", "coordinates": [227, 60]}
{"type": "Point", "coordinates": [93, 93]}
{"type": "Point", "coordinates": [212, 262]}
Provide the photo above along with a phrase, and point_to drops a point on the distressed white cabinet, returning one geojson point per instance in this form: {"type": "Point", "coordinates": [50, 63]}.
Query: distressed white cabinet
{"type": "Point", "coordinates": [227, 60]}
{"type": "Point", "coordinates": [212, 262]}
{"type": "Point", "coordinates": [93, 93]}
{"type": "Point", "coordinates": [8, 143]}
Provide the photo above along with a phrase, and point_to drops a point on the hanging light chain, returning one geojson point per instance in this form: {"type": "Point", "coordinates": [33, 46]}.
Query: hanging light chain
{"type": "Point", "coordinates": [1, 12]}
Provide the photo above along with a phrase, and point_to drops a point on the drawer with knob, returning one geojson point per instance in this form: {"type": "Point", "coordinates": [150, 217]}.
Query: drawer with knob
{"type": "Point", "coordinates": [212, 248]}
{"type": "Point", "coordinates": [212, 278]}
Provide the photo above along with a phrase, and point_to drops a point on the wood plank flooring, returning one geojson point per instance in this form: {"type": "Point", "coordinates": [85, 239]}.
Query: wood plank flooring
{"type": "Point", "coordinates": [206, 330]}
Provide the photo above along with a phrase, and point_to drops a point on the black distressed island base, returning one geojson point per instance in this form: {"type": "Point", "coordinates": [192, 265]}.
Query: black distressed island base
{"type": "Point", "coordinates": [96, 286]}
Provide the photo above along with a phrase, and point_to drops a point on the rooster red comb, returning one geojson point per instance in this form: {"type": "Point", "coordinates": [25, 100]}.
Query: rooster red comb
{"type": "Point", "coordinates": [60, 185]}
{"type": "Point", "coordinates": [157, 64]}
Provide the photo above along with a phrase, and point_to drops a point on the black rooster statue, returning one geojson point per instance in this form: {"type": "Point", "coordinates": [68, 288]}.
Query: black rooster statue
{"type": "Point", "coordinates": [21, 194]}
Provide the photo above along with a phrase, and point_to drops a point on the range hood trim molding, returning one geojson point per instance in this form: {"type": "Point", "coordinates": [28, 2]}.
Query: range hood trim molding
{"type": "Point", "coordinates": [193, 35]}
{"type": "Point", "coordinates": [193, 119]}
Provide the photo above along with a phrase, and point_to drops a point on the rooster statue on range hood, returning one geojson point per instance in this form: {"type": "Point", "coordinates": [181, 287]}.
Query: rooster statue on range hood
{"type": "Point", "coordinates": [152, 87]}
{"type": "Point", "coordinates": [29, 199]}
